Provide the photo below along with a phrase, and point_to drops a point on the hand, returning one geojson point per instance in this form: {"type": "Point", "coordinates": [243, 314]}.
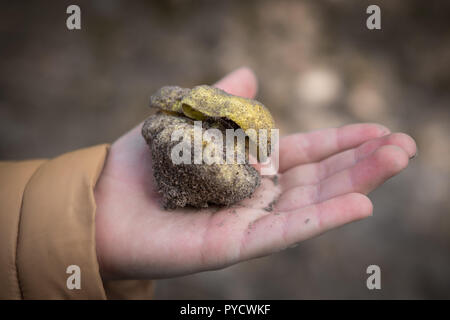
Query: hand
{"type": "Point", "coordinates": [323, 178]}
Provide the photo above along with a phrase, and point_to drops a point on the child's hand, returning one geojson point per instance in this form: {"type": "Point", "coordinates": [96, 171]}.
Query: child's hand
{"type": "Point", "coordinates": [324, 176]}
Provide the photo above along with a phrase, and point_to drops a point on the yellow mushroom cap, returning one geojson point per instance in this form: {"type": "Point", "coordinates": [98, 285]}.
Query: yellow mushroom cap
{"type": "Point", "coordinates": [204, 101]}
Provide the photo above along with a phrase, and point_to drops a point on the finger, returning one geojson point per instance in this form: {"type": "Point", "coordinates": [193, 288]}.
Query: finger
{"type": "Point", "coordinates": [278, 231]}
{"type": "Point", "coordinates": [241, 82]}
{"type": "Point", "coordinates": [314, 146]}
{"type": "Point", "coordinates": [363, 177]}
{"type": "Point", "coordinates": [313, 173]}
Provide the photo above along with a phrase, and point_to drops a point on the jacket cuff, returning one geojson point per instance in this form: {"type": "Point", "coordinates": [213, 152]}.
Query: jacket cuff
{"type": "Point", "coordinates": [57, 229]}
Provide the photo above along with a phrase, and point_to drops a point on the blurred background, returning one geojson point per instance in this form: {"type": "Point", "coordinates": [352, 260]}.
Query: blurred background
{"type": "Point", "coordinates": [318, 65]}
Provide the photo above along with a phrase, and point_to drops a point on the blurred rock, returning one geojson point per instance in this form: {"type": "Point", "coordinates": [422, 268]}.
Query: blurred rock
{"type": "Point", "coordinates": [318, 87]}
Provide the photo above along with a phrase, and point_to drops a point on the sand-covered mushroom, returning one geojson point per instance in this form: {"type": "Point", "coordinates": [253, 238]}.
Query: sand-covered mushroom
{"type": "Point", "coordinates": [191, 183]}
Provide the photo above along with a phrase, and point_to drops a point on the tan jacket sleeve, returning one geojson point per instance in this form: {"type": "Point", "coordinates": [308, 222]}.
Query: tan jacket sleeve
{"type": "Point", "coordinates": [47, 223]}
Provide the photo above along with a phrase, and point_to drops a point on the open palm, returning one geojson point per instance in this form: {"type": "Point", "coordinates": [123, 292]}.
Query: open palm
{"type": "Point", "coordinates": [322, 182]}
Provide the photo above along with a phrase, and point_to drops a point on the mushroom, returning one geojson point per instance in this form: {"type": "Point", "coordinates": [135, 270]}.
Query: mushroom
{"type": "Point", "coordinates": [183, 115]}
